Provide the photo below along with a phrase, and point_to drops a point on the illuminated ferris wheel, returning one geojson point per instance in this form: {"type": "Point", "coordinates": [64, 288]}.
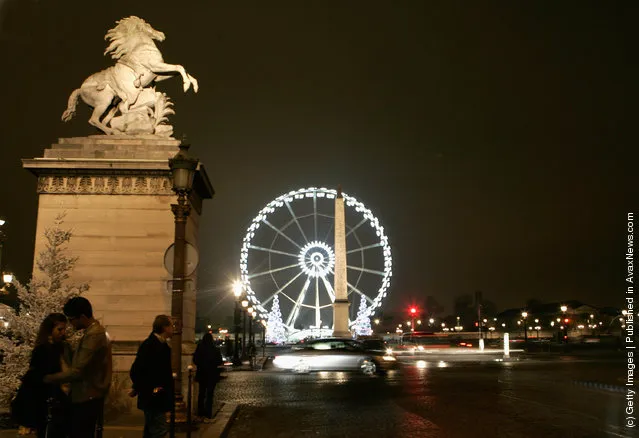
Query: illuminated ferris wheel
{"type": "Point", "coordinates": [288, 252]}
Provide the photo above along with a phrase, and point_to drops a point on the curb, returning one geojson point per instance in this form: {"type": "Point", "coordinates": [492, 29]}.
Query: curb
{"type": "Point", "coordinates": [234, 410]}
{"type": "Point", "coordinates": [600, 386]}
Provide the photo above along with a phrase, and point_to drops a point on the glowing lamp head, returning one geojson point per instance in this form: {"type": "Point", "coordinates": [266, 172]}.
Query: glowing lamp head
{"type": "Point", "coordinates": [564, 308]}
{"type": "Point", "coordinates": [244, 303]}
{"type": "Point", "coordinates": [7, 278]}
{"type": "Point", "coordinates": [524, 314]}
{"type": "Point", "coordinates": [237, 289]}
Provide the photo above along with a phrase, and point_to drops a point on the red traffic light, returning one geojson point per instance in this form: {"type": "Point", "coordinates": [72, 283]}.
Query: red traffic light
{"type": "Point", "coordinates": [413, 310]}
{"type": "Point", "coordinates": [566, 320]}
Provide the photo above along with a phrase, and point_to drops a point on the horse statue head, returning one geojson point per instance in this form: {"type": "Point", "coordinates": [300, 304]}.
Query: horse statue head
{"type": "Point", "coordinates": [126, 33]}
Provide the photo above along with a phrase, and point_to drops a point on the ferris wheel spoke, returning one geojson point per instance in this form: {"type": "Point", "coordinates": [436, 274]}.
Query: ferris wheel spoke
{"type": "Point", "coordinates": [290, 209]}
{"type": "Point", "coordinates": [277, 230]}
{"type": "Point", "coordinates": [362, 248]}
{"type": "Point", "coordinates": [330, 229]}
{"type": "Point", "coordinates": [359, 224]}
{"type": "Point", "coordinates": [315, 213]}
{"type": "Point", "coordinates": [354, 289]}
{"type": "Point", "coordinates": [265, 302]}
{"type": "Point", "coordinates": [329, 289]}
{"type": "Point", "coordinates": [292, 317]}
{"type": "Point", "coordinates": [370, 271]}
{"type": "Point", "coordinates": [317, 303]}
{"type": "Point", "coordinates": [274, 251]}
{"type": "Point", "coordinates": [271, 271]}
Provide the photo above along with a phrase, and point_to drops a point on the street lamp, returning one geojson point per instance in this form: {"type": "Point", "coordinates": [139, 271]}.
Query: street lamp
{"type": "Point", "coordinates": [3, 239]}
{"type": "Point", "coordinates": [183, 167]}
{"type": "Point", "coordinates": [564, 309]}
{"type": "Point", "coordinates": [238, 288]}
{"type": "Point", "coordinates": [524, 315]}
{"type": "Point", "coordinates": [244, 304]}
{"type": "Point", "coordinates": [263, 338]}
{"type": "Point", "coordinates": [249, 313]}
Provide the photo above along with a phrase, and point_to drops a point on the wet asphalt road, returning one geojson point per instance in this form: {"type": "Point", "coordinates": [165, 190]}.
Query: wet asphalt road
{"type": "Point", "coordinates": [530, 398]}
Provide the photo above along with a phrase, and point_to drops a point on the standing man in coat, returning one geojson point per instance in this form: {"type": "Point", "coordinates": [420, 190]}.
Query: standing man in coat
{"type": "Point", "coordinates": [90, 370]}
{"type": "Point", "coordinates": [153, 379]}
{"type": "Point", "coordinates": [208, 359]}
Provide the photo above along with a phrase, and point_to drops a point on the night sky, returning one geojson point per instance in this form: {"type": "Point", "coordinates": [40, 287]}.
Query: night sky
{"type": "Point", "coordinates": [493, 141]}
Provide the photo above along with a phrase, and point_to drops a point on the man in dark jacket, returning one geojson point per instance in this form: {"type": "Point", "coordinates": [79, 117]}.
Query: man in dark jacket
{"type": "Point", "coordinates": [153, 379]}
{"type": "Point", "coordinates": [208, 359]}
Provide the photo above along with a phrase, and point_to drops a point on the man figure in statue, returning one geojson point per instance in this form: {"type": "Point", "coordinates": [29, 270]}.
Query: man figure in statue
{"type": "Point", "coordinates": [90, 370]}
{"type": "Point", "coordinates": [153, 379]}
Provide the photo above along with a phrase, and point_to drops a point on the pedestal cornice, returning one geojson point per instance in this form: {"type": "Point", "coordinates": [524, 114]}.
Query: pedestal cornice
{"type": "Point", "coordinates": [101, 165]}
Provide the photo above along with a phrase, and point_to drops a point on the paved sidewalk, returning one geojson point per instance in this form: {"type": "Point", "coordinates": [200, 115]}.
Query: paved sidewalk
{"type": "Point", "coordinates": [131, 425]}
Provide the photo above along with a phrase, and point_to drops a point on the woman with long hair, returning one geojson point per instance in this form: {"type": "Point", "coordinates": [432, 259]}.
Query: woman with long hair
{"type": "Point", "coordinates": [207, 358]}
{"type": "Point", "coordinates": [38, 405]}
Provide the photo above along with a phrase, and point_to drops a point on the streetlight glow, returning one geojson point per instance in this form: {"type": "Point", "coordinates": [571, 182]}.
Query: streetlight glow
{"type": "Point", "coordinates": [564, 308]}
{"type": "Point", "coordinates": [237, 289]}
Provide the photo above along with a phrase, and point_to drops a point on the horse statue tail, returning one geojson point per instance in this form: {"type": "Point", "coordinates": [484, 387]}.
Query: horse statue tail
{"type": "Point", "coordinates": [73, 101]}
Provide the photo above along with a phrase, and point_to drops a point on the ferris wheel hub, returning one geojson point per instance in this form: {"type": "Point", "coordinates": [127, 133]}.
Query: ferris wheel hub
{"type": "Point", "coordinates": [317, 259]}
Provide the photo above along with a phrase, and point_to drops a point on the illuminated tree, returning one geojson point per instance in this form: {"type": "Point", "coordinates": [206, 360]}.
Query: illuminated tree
{"type": "Point", "coordinates": [47, 292]}
{"type": "Point", "coordinates": [275, 330]}
{"type": "Point", "coordinates": [362, 325]}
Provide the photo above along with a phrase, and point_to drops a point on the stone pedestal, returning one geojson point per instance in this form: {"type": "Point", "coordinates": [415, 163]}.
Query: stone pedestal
{"type": "Point", "coordinates": [116, 194]}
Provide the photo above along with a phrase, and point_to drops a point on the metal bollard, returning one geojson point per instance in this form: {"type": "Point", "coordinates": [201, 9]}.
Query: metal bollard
{"type": "Point", "coordinates": [100, 423]}
{"type": "Point", "coordinates": [172, 420]}
{"type": "Point", "coordinates": [47, 433]}
{"type": "Point", "coordinates": [189, 404]}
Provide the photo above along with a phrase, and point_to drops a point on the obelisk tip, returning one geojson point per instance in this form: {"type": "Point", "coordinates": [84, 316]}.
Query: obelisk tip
{"type": "Point", "coordinates": [339, 190]}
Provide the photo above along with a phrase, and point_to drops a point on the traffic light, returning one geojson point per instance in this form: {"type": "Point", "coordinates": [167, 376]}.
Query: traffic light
{"type": "Point", "coordinates": [413, 310]}
{"type": "Point", "coordinates": [566, 320]}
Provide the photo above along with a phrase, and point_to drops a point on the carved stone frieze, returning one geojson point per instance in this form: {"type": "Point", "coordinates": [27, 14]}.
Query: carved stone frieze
{"type": "Point", "coordinates": [105, 185]}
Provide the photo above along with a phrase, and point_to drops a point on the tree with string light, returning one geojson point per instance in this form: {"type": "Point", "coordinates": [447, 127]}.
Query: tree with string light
{"type": "Point", "coordinates": [362, 325]}
{"type": "Point", "coordinates": [275, 330]}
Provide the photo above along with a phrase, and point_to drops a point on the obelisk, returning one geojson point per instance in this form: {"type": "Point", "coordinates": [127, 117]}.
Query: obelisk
{"type": "Point", "coordinates": [340, 305]}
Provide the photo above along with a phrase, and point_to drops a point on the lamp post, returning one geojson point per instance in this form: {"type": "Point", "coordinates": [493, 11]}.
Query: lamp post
{"type": "Point", "coordinates": [525, 315]}
{"type": "Point", "coordinates": [3, 239]}
{"type": "Point", "coordinates": [237, 292]}
{"type": "Point", "coordinates": [245, 304]}
{"type": "Point", "coordinates": [249, 313]}
{"type": "Point", "coordinates": [183, 167]}
{"type": "Point", "coordinates": [564, 309]}
{"type": "Point", "coordinates": [263, 338]}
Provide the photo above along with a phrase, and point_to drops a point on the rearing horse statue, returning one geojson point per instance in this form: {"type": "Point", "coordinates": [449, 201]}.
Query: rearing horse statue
{"type": "Point", "coordinates": [139, 65]}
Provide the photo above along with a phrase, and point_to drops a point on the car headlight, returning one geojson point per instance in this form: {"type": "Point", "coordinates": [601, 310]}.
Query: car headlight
{"type": "Point", "coordinates": [389, 351]}
{"type": "Point", "coordinates": [389, 358]}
